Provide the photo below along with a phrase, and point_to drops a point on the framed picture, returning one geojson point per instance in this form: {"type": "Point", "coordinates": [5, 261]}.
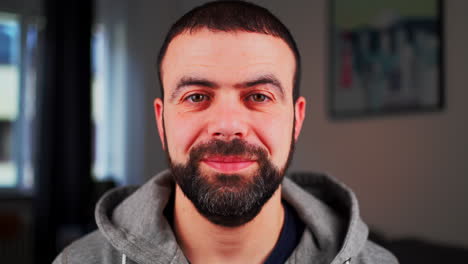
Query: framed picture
{"type": "Point", "coordinates": [386, 57]}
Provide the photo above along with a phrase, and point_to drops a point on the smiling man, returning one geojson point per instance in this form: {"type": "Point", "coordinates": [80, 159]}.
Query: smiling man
{"type": "Point", "coordinates": [228, 120]}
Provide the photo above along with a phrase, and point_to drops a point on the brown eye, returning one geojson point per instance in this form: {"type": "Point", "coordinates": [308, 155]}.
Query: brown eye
{"type": "Point", "coordinates": [259, 97]}
{"type": "Point", "coordinates": [196, 98]}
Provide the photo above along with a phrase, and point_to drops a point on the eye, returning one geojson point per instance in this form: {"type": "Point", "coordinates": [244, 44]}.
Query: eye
{"type": "Point", "coordinates": [258, 97]}
{"type": "Point", "coordinates": [196, 98]}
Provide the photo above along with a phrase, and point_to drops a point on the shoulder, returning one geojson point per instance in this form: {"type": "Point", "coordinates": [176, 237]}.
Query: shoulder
{"type": "Point", "coordinates": [92, 248]}
{"type": "Point", "coordinates": [373, 253]}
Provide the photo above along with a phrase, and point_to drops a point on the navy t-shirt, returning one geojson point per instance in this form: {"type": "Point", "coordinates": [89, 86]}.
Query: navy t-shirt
{"type": "Point", "coordinates": [289, 238]}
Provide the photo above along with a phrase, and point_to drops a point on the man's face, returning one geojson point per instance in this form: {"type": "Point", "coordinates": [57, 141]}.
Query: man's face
{"type": "Point", "coordinates": [227, 119]}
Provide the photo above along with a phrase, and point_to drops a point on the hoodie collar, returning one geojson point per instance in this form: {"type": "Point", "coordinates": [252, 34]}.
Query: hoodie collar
{"type": "Point", "coordinates": [331, 213]}
{"type": "Point", "coordinates": [134, 222]}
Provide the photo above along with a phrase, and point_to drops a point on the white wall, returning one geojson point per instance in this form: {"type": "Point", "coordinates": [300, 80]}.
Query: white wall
{"type": "Point", "coordinates": [147, 23]}
{"type": "Point", "coordinates": [410, 172]}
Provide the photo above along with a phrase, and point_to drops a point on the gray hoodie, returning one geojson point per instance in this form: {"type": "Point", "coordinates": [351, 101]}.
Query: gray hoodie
{"type": "Point", "coordinates": [133, 229]}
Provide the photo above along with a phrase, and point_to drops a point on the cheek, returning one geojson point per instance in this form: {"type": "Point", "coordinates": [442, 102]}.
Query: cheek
{"type": "Point", "coordinates": [181, 132]}
{"type": "Point", "coordinates": [276, 134]}
{"type": "Point", "coordinates": [273, 130]}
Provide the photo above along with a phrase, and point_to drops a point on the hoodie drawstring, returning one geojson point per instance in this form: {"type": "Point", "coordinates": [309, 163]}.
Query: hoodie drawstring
{"type": "Point", "coordinates": [124, 259]}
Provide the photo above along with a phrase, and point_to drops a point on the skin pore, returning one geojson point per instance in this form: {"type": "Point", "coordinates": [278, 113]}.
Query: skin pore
{"type": "Point", "coordinates": [226, 86]}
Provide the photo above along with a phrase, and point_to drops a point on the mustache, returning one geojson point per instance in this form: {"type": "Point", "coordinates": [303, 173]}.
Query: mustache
{"type": "Point", "coordinates": [235, 147]}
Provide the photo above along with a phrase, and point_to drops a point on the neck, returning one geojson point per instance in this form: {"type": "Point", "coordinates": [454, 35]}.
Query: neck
{"type": "Point", "coordinates": [204, 242]}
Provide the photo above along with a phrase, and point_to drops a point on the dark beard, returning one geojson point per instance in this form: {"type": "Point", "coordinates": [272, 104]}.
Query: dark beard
{"type": "Point", "coordinates": [228, 200]}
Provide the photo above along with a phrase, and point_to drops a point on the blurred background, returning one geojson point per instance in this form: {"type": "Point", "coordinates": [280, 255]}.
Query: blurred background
{"type": "Point", "coordinates": [77, 82]}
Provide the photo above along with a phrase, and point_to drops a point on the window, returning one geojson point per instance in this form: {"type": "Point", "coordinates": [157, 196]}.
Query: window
{"type": "Point", "coordinates": [18, 81]}
{"type": "Point", "coordinates": [9, 96]}
{"type": "Point", "coordinates": [108, 105]}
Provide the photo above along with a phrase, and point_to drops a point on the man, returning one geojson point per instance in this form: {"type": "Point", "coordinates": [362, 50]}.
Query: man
{"type": "Point", "coordinates": [228, 119]}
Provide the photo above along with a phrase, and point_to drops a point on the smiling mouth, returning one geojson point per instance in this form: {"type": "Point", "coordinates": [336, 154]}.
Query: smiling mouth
{"type": "Point", "coordinates": [228, 164]}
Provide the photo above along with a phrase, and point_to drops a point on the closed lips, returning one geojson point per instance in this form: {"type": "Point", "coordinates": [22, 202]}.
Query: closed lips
{"type": "Point", "coordinates": [228, 163]}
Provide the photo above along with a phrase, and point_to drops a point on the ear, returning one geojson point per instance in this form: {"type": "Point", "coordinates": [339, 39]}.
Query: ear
{"type": "Point", "coordinates": [158, 112]}
{"type": "Point", "coordinates": [300, 110]}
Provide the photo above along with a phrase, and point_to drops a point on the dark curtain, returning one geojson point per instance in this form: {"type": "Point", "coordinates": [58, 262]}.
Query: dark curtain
{"type": "Point", "coordinates": [63, 158]}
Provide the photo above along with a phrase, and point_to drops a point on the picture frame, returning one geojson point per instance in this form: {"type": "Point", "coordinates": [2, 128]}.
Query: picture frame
{"type": "Point", "coordinates": [385, 57]}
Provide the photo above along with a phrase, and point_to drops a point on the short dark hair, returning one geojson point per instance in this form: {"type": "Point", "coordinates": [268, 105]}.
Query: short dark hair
{"type": "Point", "coordinates": [230, 16]}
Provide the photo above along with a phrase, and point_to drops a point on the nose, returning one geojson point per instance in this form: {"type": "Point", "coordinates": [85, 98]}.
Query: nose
{"type": "Point", "coordinates": [228, 121]}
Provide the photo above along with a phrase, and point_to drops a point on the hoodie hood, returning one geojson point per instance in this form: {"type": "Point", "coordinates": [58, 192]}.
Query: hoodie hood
{"type": "Point", "coordinates": [133, 222]}
{"type": "Point", "coordinates": [331, 213]}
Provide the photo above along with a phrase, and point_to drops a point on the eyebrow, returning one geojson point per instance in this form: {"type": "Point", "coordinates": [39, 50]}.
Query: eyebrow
{"type": "Point", "coordinates": [264, 79]}
{"type": "Point", "coordinates": [203, 82]}
{"type": "Point", "coordinates": [191, 81]}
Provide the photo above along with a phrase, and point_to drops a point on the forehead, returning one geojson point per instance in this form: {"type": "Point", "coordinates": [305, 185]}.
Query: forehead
{"type": "Point", "coordinates": [227, 57]}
